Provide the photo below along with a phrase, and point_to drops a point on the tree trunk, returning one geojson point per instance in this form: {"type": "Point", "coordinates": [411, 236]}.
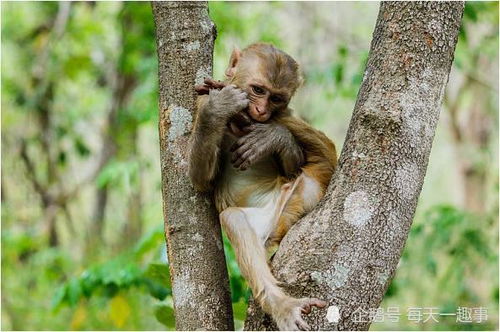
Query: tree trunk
{"type": "Point", "coordinates": [185, 38]}
{"type": "Point", "coordinates": [133, 227]}
{"type": "Point", "coordinates": [361, 226]}
{"type": "Point", "coordinates": [470, 140]}
{"type": "Point", "coordinates": [95, 235]}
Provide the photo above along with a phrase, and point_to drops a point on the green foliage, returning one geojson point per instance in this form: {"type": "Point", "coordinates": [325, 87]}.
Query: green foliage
{"type": "Point", "coordinates": [148, 243]}
{"type": "Point", "coordinates": [123, 173]}
{"type": "Point", "coordinates": [447, 248]}
{"type": "Point", "coordinates": [118, 274]}
{"type": "Point", "coordinates": [470, 48]}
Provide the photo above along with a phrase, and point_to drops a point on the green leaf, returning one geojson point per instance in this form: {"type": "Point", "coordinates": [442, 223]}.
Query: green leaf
{"type": "Point", "coordinates": [343, 51]}
{"type": "Point", "coordinates": [159, 273]}
{"type": "Point", "coordinates": [89, 283]}
{"type": "Point", "coordinates": [338, 72]}
{"type": "Point", "coordinates": [61, 158]}
{"type": "Point", "coordinates": [81, 148]}
{"type": "Point", "coordinates": [240, 310]}
{"type": "Point", "coordinates": [470, 12]}
{"type": "Point", "coordinates": [157, 290]}
{"type": "Point", "coordinates": [165, 315]}
{"type": "Point", "coordinates": [149, 242]}
{"type": "Point", "coordinates": [74, 292]}
{"type": "Point", "coordinates": [59, 298]}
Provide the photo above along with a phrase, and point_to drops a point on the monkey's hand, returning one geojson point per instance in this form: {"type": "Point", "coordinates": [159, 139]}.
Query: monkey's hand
{"type": "Point", "coordinates": [226, 103]}
{"type": "Point", "coordinates": [264, 139]}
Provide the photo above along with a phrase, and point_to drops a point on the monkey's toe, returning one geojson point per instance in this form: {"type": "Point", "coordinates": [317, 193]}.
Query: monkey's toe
{"type": "Point", "coordinates": [289, 314]}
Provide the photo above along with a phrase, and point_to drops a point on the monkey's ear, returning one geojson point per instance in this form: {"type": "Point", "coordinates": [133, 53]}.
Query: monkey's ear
{"type": "Point", "coordinates": [233, 61]}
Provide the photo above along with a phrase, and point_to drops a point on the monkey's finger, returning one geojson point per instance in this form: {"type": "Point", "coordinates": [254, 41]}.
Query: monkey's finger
{"type": "Point", "coordinates": [237, 155]}
{"type": "Point", "coordinates": [306, 309]}
{"type": "Point", "coordinates": [245, 159]}
{"type": "Point", "coordinates": [242, 159]}
{"type": "Point", "coordinates": [201, 89]}
{"type": "Point", "coordinates": [241, 119]}
{"type": "Point", "coordinates": [242, 99]}
{"type": "Point", "coordinates": [317, 303]}
{"type": "Point", "coordinates": [243, 103]}
{"type": "Point", "coordinates": [244, 151]}
{"type": "Point", "coordinates": [241, 145]}
{"type": "Point", "coordinates": [213, 83]}
{"type": "Point", "coordinates": [233, 148]}
{"type": "Point", "coordinates": [208, 80]}
{"type": "Point", "coordinates": [247, 129]}
{"type": "Point", "coordinates": [302, 325]}
{"type": "Point", "coordinates": [248, 162]}
{"type": "Point", "coordinates": [238, 151]}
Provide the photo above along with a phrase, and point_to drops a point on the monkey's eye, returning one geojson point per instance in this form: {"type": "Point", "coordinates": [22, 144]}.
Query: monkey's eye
{"type": "Point", "coordinates": [276, 99]}
{"type": "Point", "coordinates": [258, 90]}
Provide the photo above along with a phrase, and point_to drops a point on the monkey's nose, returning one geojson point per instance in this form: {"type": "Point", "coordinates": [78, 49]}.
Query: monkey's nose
{"type": "Point", "coordinates": [259, 110]}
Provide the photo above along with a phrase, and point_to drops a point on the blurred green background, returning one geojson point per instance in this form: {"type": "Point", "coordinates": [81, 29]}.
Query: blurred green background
{"type": "Point", "coordinates": [82, 226]}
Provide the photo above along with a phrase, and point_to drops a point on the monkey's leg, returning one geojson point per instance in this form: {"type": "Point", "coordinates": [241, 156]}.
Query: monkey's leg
{"type": "Point", "coordinates": [251, 257]}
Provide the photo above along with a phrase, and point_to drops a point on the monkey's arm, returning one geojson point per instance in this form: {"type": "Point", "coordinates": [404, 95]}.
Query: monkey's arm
{"type": "Point", "coordinates": [264, 139]}
{"type": "Point", "coordinates": [319, 151]}
{"type": "Point", "coordinates": [214, 113]}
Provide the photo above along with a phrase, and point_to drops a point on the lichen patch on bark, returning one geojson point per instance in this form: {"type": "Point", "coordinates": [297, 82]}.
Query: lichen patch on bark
{"type": "Point", "coordinates": [201, 74]}
{"type": "Point", "coordinates": [357, 208]}
{"type": "Point", "coordinates": [192, 46]}
{"type": "Point", "coordinates": [182, 290]}
{"type": "Point", "coordinates": [404, 180]}
{"type": "Point", "coordinates": [197, 237]}
{"type": "Point", "coordinates": [180, 120]}
{"type": "Point", "coordinates": [333, 314]}
{"type": "Point", "coordinates": [334, 278]}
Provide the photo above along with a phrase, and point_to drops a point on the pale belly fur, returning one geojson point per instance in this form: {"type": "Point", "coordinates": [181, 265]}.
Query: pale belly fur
{"type": "Point", "coordinates": [261, 191]}
{"type": "Point", "coordinates": [254, 187]}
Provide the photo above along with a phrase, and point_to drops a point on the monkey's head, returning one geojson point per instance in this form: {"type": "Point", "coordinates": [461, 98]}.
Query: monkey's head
{"type": "Point", "coordinates": [268, 75]}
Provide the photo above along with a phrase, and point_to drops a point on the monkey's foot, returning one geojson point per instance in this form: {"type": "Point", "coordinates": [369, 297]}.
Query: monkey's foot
{"type": "Point", "coordinates": [288, 313]}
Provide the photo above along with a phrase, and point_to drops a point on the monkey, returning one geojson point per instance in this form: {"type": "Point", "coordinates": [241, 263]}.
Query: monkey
{"type": "Point", "coordinates": [265, 167]}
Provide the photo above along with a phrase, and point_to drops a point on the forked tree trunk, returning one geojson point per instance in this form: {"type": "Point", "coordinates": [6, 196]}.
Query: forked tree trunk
{"type": "Point", "coordinates": [346, 251]}
{"type": "Point", "coordinates": [200, 285]}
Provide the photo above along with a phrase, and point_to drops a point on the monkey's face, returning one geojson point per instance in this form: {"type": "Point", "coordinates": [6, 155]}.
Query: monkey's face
{"type": "Point", "coordinates": [268, 75]}
{"type": "Point", "coordinates": [264, 101]}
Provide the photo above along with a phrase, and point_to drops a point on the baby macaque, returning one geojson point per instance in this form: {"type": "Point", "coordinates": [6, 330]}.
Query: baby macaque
{"type": "Point", "coordinates": [266, 168]}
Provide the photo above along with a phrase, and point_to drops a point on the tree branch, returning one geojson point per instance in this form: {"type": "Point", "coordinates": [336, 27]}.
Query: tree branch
{"type": "Point", "coordinates": [200, 284]}
{"type": "Point", "coordinates": [346, 250]}
{"type": "Point", "coordinates": [31, 173]}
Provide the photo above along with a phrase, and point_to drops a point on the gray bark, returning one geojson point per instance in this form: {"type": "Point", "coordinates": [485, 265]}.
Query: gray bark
{"type": "Point", "coordinates": [200, 285]}
{"type": "Point", "coordinates": [361, 226]}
